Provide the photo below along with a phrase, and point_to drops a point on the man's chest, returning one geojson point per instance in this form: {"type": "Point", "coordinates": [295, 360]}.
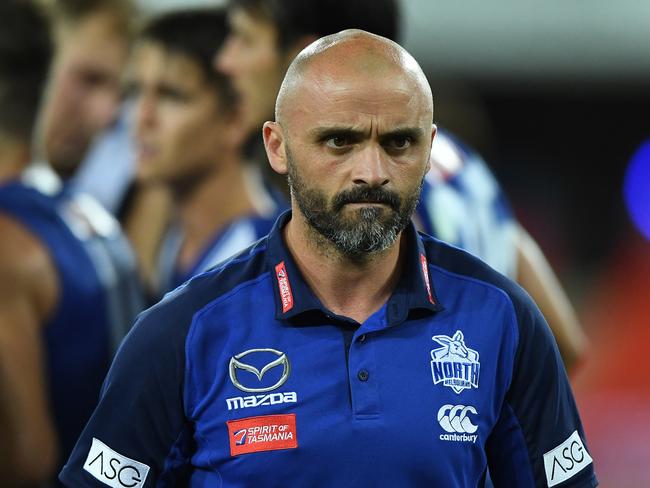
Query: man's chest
{"type": "Point", "coordinates": [317, 405]}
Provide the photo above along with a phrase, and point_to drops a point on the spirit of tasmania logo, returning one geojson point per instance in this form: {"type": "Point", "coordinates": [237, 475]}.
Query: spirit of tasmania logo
{"type": "Point", "coordinates": [454, 364]}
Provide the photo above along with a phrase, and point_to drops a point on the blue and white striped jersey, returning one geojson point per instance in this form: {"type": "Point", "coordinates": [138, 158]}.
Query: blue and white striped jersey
{"type": "Point", "coordinates": [237, 235]}
{"type": "Point", "coordinates": [462, 204]}
{"type": "Point", "coordinates": [226, 241]}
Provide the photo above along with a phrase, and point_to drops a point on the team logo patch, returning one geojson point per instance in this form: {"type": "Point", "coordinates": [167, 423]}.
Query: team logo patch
{"type": "Point", "coordinates": [285, 288]}
{"type": "Point", "coordinates": [566, 460]}
{"type": "Point", "coordinates": [456, 420]}
{"type": "Point", "coordinates": [259, 362]}
{"type": "Point", "coordinates": [454, 364]}
{"type": "Point", "coordinates": [266, 433]}
{"type": "Point", "coordinates": [114, 469]}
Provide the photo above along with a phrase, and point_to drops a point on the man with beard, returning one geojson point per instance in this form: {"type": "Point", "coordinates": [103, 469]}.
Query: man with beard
{"type": "Point", "coordinates": [345, 349]}
{"type": "Point", "coordinates": [461, 201]}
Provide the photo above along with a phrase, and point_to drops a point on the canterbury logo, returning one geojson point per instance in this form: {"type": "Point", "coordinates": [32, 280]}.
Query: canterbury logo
{"type": "Point", "coordinates": [237, 363]}
{"type": "Point", "coordinates": [454, 419]}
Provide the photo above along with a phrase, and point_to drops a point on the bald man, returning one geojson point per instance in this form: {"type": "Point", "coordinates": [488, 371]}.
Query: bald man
{"type": "Point", "coordinates": [345, 349]}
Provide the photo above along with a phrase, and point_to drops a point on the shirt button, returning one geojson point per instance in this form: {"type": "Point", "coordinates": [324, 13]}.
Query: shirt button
{"type": "Point", "coordinates": [362, 338]}
{"type": "Point", "coordinates": [363, 375]}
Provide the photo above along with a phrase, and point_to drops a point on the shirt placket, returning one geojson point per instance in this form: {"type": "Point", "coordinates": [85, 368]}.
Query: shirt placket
{"type": "Point", "coordinates": [363, 373]}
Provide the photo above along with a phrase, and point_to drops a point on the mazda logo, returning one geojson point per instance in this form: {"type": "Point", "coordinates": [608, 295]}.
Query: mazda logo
{"type": "Point", "coordinates": [238, 362]}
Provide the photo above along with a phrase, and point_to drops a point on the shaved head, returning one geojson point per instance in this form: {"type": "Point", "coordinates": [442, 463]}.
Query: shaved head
{"type": "Point", "coordinates": [353, 132]}
{"type": "Point", "coordinates": [350, 53]}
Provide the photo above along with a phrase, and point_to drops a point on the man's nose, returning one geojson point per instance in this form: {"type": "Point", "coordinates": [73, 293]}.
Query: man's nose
{"type": "Point", "coordinates": [223, 58]}
{"type": "Point", "coordinates": [371, 167]}
{"type": "Point", "coordinates": [144, 114]}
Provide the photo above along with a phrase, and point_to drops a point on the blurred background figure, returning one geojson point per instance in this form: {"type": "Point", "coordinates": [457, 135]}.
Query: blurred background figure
{"type": "Point", "coordinates": [461, 202]}
{"type": "Point", "coordinates": [24, 59]}
{"type": "Point", "coordinates": [108, 170]}
{"type": "Point", "coordinates": [68, 277]}
{"type": "Point", "coordinates": [189, 134]}
{"type": "Point", "coordinates": [92, 39]}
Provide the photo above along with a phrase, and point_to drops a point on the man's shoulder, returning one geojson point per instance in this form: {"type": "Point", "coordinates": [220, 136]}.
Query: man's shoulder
{"type": "Point", "coordinates": [33, 210]}
{"type": "Point", "coordinates": [20, 197]}
{"type": "Point", "coordinates": [462, 266]}
{"type": "Point", "coordinates": [18, 245]}
{"type": "Point", "coordinates": [180, 305]}
{"type": "Point", "coordinates": [26, 266]}
{"type": "Point", "coordinates": [460, 277]}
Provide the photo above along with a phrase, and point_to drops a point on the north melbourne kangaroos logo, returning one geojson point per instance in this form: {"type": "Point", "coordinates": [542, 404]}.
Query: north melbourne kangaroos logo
{"type": "Point", "coordinates": [454, 364]}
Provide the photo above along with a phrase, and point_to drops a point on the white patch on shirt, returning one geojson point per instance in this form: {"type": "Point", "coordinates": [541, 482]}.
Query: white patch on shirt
{"type": "Point", "coordinates": [113, 469]}
{"type": "Point", "coordinates": [566, 460]}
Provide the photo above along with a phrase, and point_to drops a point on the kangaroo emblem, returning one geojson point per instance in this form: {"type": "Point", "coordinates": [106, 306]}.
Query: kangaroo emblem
{"type": "Point", "coordinates": [454, 364]}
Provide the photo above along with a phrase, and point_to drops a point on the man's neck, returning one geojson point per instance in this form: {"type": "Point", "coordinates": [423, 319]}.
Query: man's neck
{"type": "Point", "coordinates": [217, 199]}
{"type": "Point", "coordinates": [347, 286]}
{"type": "Point", "coordinates": [14, 158]}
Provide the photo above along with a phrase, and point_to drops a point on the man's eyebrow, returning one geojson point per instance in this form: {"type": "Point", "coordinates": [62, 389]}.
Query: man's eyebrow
{"type": "Point", "coordinates": [414, 133]}
{"type": "Point", "coordinates": [323, 133]}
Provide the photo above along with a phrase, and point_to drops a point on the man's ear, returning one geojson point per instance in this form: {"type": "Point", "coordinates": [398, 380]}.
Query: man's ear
{"type": "Point", "coordinates": [274, 145]}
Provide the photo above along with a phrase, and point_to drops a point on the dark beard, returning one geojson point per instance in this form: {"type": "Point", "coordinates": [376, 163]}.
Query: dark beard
{"type": "Point", "coordinates": [367, 230]}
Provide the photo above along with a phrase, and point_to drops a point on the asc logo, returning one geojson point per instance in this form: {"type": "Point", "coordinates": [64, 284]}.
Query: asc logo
{"type": "Point", "coordinates": [455, 365]}
{"type": "Point", "coordinates": [114, 469]}
{"type": "Point", "coordinates": [566, 460]}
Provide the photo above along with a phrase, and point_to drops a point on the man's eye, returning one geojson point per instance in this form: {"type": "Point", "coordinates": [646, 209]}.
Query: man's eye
{"type": "Point", "coordinates": [244, 38]}
{"type": "Point", "coordinates": [94, 78]}
{"type": "Point", "coordinates": [337, 142]}
{"type": "Point", "coordinates": [400, 142]}
{"type": "Point", "coordinates": [174, 95]}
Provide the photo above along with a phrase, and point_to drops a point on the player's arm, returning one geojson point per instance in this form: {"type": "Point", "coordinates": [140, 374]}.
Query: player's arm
{"type": "Point", "coordinates": [538, 440]}
{"type": "Point", "coordinates": [28, 294]}
{"type": "Point", "coordinates": [138, 434]}
{"type": "Point", "coordinates": [535, 274]}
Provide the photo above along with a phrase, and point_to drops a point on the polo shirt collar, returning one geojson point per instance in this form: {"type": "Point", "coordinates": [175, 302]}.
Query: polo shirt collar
{"type": "Point", "coordinates": [414, 292]}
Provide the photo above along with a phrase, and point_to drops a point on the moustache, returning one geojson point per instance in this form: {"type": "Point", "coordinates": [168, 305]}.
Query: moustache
{"type": "Point", "coordinates": [367, 195]}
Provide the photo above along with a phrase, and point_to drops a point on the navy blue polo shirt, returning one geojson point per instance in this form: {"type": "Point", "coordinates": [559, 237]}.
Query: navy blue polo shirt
{"type": "Point", "coordinates": [242, 378]}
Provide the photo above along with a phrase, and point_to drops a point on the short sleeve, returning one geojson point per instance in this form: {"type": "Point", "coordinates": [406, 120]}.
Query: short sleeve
{"type": "Point", "coordinates": [138, 434]}
{"type": "Point", "coordinates": [538, 440]}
